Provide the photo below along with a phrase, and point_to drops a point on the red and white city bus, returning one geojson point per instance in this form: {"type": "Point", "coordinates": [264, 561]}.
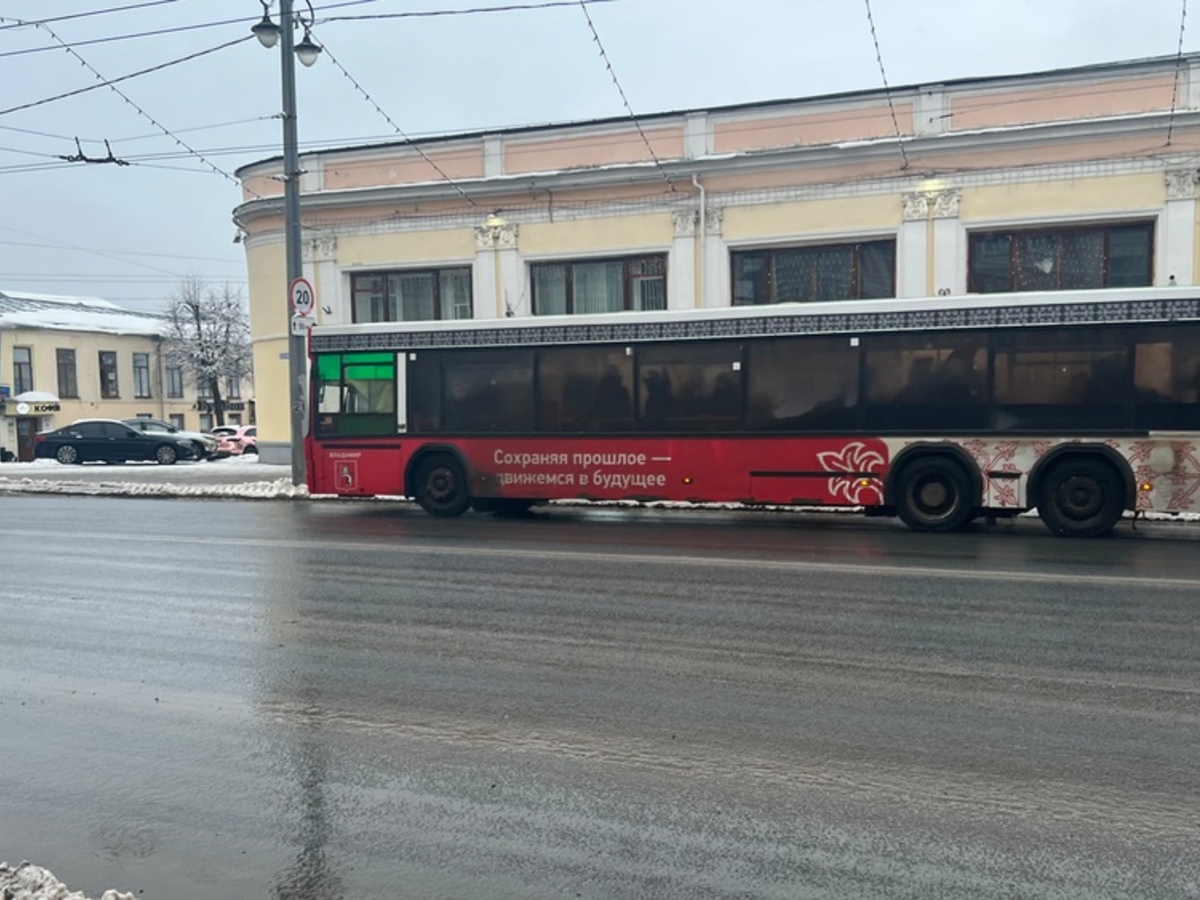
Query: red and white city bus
{"type": "Point", "coordinates": [1083, 404]}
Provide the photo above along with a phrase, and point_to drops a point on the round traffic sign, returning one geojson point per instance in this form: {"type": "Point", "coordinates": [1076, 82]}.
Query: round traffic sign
{"type": "Point", "coordinates": [302, 296]}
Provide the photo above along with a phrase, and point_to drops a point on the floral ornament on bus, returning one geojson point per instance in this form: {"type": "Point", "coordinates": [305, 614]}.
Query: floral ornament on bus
{"type": "Point", "coordinates": [853, 463]}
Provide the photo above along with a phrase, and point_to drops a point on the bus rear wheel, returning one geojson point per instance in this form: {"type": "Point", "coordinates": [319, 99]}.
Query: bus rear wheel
{"type": "Point", "coordinates": [1080, 498]}
{"type": "Point", "coordinates": [441, 486]}
{"type": "Point", "coordinates": [934, 494]}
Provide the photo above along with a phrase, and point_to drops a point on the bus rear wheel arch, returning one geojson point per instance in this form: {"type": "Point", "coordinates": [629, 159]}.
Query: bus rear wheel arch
{"type": "Point", "coordinates": [933, 493]}
{"type": "Point", "coordinates": [441, 485]}
{"type": "Point", "coordinates": [1081, 496]}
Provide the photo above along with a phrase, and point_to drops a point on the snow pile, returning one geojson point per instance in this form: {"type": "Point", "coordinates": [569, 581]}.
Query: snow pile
{"type": "Point", "coordinates": [30, 882]}
{"type": "Point", "coordinates": [279, 489]}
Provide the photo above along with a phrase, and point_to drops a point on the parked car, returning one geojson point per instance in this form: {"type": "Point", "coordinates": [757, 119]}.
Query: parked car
{"type": "Point", "coordinates": [107, 440]}
{"type": "Point", "coordinates": [206, 445]}
{"type": "Point", "coordinates": [239, 439]}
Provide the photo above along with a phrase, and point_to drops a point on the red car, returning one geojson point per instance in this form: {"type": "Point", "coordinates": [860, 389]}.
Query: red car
{"type": "Point", "coordinates": [237, 440]}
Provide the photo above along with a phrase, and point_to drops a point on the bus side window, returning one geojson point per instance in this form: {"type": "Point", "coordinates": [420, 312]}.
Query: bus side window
{"type": "Point", "coordinates": [1166, 377]}
{"type": "Point", "coordinates": [1061, 378]}
{"type": "Point", "coordinates": [487, 391]}
{"type": "Point", "coordinates": [697, 388]}
{"type": "Point", "coordinates": [802, 385]}
{"type": "Point", "coordinates": [921, 383]}
{"type": "Point", "coordinates": [585, 389]}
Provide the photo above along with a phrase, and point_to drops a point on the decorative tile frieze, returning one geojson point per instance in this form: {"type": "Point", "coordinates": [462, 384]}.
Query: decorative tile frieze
{"type": "Point", "coordinates": [717, 325]}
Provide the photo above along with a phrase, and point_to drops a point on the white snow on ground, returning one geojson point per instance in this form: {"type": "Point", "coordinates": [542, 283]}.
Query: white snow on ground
{"type": "Point", "coordinates": [30, 882]}
{"type": "Point", "coordinates": [229, 477]}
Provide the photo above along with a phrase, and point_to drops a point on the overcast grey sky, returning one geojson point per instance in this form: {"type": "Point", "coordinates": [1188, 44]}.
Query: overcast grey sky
{"type": "Point", "coordinates": [129, 233]}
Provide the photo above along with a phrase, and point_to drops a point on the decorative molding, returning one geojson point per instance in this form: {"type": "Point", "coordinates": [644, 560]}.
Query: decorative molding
{"type": "Point", "coordinates": [718, 325]}
{"type": "Point", "coordinates": [942, 204]}
{"type": "Point", "coordinates": [916, 206]}
{"type": "Point", "coordinates": [714, 217]}
{"type": "Point", "coordinates": [945, 203]}
{"type": "Point", "coordinates": [685, 222]}
{"type": "Point", "coordinates": [496, 237]}
{"type": "Point", "coordinates": [1181, 184]}
{"type": "Point", "coordinates": [322, 248]}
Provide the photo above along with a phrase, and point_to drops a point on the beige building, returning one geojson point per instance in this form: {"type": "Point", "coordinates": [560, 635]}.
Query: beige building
{"type": "Point", "coordinates": [68, 358]}
{"type": "Point", "coordinates": [1078, 178]}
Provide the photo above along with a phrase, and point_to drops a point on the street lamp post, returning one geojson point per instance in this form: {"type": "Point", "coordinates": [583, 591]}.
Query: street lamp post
{"type": "Point", "coordinates": [268, 34]}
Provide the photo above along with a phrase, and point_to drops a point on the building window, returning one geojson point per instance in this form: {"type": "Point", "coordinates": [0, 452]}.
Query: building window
{"type": "Point", "coordinates": [174, 382]}
{"type": "Point", "coordinates": [411, 296]}
{"type": "Point", "coordinates": [206, 422]}
{"type": "Point", "coordinates": [814, 274]}
{"type": "Point", "coordinates": [68, 384]}
{"type": "Point", "coordinates": [22, 370]}
{"type": "Point", "coordinates": [233, 388]}
{"type": "Point", "coordinates": [204, 389]}
{"type": "Point", "coordinates": [235, 418]}
{"type": "Point", "coordinates": [109, 388]}
{"type": "Point", "coordinates": [176, 419]}
{"type": "Point", "coordinates": [141, 375]}
{"type": "Point", "coordinates": [599, 286]}
{"type": "Point", "coordinates": [1062, 259]}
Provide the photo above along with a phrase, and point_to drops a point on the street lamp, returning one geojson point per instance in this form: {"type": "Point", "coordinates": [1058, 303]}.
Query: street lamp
{"type": "Point", "coordinates": [268, 34]}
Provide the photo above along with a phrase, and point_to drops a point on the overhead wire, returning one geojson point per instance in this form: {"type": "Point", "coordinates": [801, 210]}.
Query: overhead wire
{"type": "Point", "coordinates": [886, 88]}
{"type": "Point", "coordinates": [89, 13]}
{"type": "Point", "coordinates": [196, 26]}
{"type": "Point", "coordinates": [438, 13]}
{"type": "Point", "coordinates": [410, 142]}
{"type": "Point", "coordinates": [111, 85]}
{"type": "Point", "coordinates": [109, 82]}
{"type": "Point", "coordinates": [1178, 72]}
{"type": "Point", "coordinates": [583, 6]}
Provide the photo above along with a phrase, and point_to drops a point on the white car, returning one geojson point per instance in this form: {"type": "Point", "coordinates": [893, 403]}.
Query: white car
{"type": "Point", "coordinates": [205, 444]}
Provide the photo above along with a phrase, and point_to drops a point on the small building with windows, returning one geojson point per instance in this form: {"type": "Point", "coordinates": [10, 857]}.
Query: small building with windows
{"type": "Point", "coordinates": [1072, 179]}
{"type": "Point", "coordinates": [67, 358]}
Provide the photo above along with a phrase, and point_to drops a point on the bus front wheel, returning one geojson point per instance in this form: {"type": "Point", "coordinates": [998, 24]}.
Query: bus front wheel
{"type": "Point", "coordinates": [1080, 497]}
{"type": "Point", "coordinates": [934, 494]}
{"type": "Point", "coordinates": [441, 486]}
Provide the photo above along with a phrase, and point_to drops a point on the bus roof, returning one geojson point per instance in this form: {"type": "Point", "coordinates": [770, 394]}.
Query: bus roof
{"type": "Point", "coordinates": [1111, 305]}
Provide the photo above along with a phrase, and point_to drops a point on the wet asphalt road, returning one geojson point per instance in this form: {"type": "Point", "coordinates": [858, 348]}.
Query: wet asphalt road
{"type": "Point", "coordinates": [313, 700]}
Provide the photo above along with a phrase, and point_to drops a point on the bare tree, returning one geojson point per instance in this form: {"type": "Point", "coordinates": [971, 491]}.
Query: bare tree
{"type": "Point", "coordinates": [208, 336]}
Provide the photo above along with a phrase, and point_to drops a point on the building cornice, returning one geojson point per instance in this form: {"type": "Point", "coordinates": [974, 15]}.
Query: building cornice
{"type": "Point", "coordinates": [923, 151]}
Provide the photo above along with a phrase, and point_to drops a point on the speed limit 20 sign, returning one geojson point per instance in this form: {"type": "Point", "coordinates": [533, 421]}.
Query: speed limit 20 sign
{"type": "Point", "coordinates": [303, 299]}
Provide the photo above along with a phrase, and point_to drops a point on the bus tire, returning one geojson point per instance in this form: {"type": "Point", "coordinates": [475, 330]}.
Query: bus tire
{"type": "Point", "coordinates": [1080, 497]}
{"type": "Point", "coordinates": [441, 486]}
{"type": "Point", "coordinates": [933, 493]}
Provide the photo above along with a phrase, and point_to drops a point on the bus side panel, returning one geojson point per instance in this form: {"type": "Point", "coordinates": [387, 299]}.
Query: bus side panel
{"type": "Point", "coordinates": [361, 469]}
{"type": "Point", "coordinates": [821, 470]}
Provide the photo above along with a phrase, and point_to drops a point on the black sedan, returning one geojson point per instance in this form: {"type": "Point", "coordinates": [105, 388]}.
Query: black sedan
{"type": "Point", "coordinates": [107, 440]}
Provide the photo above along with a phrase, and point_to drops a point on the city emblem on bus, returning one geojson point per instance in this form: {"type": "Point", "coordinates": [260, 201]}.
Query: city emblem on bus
{"type": "Point", "coordinates": [347, 475]}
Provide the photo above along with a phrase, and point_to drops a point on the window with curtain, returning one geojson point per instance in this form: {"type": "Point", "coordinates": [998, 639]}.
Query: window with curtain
{"type": "Point", "coordinates": [599, 286]}
{"type": "Point", "coordinates": [141, 375]}
{"type": "Point", "coordinates": [68, 382]}
{"type": "Point", "coordinates": [109, 386]}
{"type": "Point", "coordinates": [411, 295]}
{"type": "Point", "coordinates": [1062, 259]}
{"type": "Point", "coordinates": [810, 274]}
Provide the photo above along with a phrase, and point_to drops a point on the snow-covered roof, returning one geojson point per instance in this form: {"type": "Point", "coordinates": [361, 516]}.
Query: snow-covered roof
{"type": "Point", "coordinates": [19, 309]}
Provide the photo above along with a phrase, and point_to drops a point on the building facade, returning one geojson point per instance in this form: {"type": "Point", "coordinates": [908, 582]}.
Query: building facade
{"type": "Point", "coordinates": [68, 358]}
{"type": "Point", "coordinates": [1079, 178]}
